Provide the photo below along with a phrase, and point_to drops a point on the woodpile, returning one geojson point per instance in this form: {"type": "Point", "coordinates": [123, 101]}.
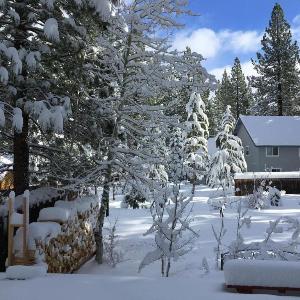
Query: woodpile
{"type": "Point", "coordinates": [74, 246]}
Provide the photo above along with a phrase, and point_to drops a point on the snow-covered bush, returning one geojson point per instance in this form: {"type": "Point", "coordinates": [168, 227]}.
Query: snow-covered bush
{"type": "Point", "coordinates": [112, 254]}
{"type": "Point", "coordinates": [268, 248]}
{"type": "Point", "coordinates": [133, 199]}
{"type": "Point", "coordinates": [274, 196]}
{"type": "Point", "coordinates": [259, 199]}
{"type": "Point", "coordinates": [171, 225]}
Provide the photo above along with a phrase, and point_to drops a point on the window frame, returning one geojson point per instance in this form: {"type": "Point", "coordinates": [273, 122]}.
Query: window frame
{"type": "Point", "coordinates": [272, 155]}
{"type": "Point", "coordinates": [247, 148]}
{"type": "Point", "coordinates": [280, 170]}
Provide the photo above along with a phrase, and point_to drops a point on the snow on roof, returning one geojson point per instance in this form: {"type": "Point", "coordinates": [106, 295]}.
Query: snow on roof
{"type": "Point", "coordinates": [267, 175]}
{"type": "Point", "coordinates": [273, 130]}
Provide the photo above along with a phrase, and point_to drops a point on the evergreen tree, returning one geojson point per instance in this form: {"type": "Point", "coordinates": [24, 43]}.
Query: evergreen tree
{"type": "Point", "coordinates": [229, 159]}
{"type": "Point", "coordinates": [197, 135]}
{"type": "Point", "coordinates": [241, 96]}
{"type": "Point", "coordinates": [277, 66]}
{"type": "Point", "coordinates": [39, 39]}
{"type": "Point", "coordinates": [233, 144]}
{"type": "Point", "coordinates": [224, 96]}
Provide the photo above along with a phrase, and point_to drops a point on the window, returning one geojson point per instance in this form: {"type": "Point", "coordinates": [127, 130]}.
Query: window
{"type": "Point", "coordinates": [276, 170]}
{"type": "Point", "coordinates": [247, 150]}
{"type": "Point", "coordinates": [272, 151]}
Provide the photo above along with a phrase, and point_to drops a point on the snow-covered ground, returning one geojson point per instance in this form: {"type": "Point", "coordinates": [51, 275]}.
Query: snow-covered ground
{"type": "Point", "coordinates": [187, 281]}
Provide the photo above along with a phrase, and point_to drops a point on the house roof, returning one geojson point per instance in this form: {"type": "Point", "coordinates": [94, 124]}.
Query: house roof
{"type": "Point", "coordinates": [272, 130]}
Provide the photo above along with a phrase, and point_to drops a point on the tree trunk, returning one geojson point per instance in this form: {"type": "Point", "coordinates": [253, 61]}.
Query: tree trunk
{"type": "Point", "coordinates": [21, 158]}
{"type": "Point", "coordinates": [104, 211]}
{"type": "Point", "coordinates": [279, 100]}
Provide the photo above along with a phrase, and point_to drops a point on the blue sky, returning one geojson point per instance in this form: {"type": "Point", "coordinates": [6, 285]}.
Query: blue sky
{"type": "Point", "coordinates": [229, 28]}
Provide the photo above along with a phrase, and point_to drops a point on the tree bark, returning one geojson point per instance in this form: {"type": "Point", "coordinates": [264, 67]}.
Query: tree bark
{"type": "Point", "coordinates": [279, 100]}
{"type": "Point", "coordinates": [21, 158]}
{"type": "Point", "coordinates": [104, 211]}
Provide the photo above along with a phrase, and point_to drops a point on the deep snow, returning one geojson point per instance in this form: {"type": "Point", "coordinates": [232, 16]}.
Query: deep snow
{"type": "Point", "coordinates": [187, 280]}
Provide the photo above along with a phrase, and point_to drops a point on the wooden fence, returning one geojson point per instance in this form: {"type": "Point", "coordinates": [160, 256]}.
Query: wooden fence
{"type": "Point", "coordinates": [246, 186]}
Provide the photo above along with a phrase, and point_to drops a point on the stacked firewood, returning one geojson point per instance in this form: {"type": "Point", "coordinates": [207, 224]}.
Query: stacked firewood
{"type": "Point", "coordinates": [74, 246]}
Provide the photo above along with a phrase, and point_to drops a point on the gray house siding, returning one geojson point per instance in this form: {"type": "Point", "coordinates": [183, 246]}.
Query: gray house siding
{"type": "Point", "coordinates": [288, 159]}
{"type": "Point", "coordinates": [257, 161]}
{"type": "Point", "coordinates": [252, 160]}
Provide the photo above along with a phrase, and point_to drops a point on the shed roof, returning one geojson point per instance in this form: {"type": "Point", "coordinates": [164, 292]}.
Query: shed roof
{"type": "Point", "coordinates": [272, 130]}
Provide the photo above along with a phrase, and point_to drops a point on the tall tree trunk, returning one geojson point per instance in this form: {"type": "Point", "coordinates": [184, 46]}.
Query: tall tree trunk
{"type": "Point", "coordinates": [21, 158]}
{"type": "Point", "coordinates": [104, 211]}
{"type": "Point", "coordinates": [279, 99]}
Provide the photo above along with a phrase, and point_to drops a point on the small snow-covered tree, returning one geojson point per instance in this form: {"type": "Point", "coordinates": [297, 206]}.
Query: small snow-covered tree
{"type": "Point", "coordinates": [196, 141]}
{"type": "Point", "coordinates": [229, 159]}
{"type": "Point", "coordinates": [176, 157]}
{"type": "Point", "coordinates": [170, 226]}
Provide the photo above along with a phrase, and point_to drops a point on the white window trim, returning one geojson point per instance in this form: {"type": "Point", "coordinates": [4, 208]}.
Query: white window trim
{"type": "Point", "coordinates": [272, 151]}
{"type": "Point", "coordinates": [280, 169]}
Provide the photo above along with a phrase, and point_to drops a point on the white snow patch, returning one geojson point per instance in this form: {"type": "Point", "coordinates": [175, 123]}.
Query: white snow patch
{"type": "Point", "coordinates": [58, 214]}
{"type": "Point", "coordinates": [51, 30]}
{"type": "Point", "coordinates": [26, 272]}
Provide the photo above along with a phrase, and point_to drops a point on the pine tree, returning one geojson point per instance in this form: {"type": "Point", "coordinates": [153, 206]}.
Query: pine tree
{"type": "Point", "coordinates": [176, 156]}
{"type": "Point", "coordinates": [197, 135]}
{"type": "Point", "coordinates": [38, 40]}
{"type": "Point", "coordinates": [233, 144]}
{"type": "Point", "coordinates": [277, 66]}
{"type": "Point", "coordinates": [241, 97]}
{"type": "Point", "coordinates": [224, 96]}
{"type": "Point", "coordinates": [229, 159]}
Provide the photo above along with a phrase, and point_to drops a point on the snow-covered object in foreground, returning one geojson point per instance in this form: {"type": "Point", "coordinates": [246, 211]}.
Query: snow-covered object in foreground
{"type": "Point", "coordinates": [51, 30]}
{"type": "Point", "coordinates": [266, 273]}
{"type": "Point", "coordinates": [58, 214]}
{"type": "Point", "coordinates": [25, 272]}
{"type": "Point", "coordinates": [38, 231]}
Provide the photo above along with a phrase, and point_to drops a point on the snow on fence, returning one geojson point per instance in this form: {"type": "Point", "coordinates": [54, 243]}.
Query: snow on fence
{"type": "Point", "coordinates": [245, 183]}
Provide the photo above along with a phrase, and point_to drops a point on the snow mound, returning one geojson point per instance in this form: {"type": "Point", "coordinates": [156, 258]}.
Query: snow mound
{"type": "Point", "coordinates": [16, 219]}
{"type": "Point", "coordinates": [26, 272]}
{"type": "Point", "coordinates": [43, 231]}
{"type": "Point", "coordinates": [58, 214]}
{"type": "Point", "coordinates": [266, 273]}
{"type": "Point", "coordinates": [36, 197]}
{"type": "Point", "coordinates": [79, 205]}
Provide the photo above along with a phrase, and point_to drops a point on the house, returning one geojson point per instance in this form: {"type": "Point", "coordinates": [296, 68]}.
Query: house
{"type": "Point", "coordinates": [271, 143]}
